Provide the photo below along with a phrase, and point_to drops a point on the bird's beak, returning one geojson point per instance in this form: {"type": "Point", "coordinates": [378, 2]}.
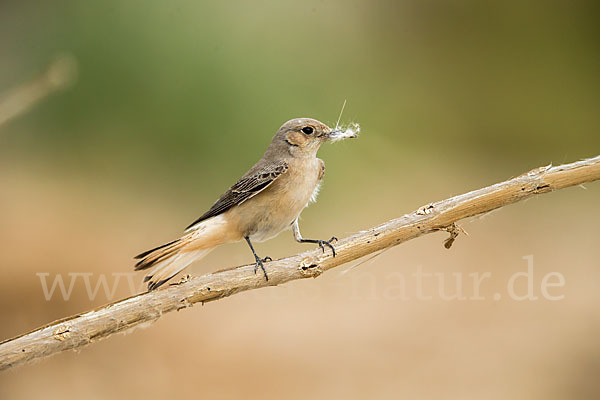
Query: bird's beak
{"type": "Point", "coordinates": [341, 134]}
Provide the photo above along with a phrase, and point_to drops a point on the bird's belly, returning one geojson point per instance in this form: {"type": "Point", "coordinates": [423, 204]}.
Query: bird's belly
{"type": "Point", "coordinates": [268, 232]}
{"type": "Point", "coordinates": [274, 217]}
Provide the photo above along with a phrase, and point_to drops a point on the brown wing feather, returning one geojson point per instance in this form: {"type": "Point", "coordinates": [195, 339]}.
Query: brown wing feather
{"type": "Point", "coordinates": [255, 181]}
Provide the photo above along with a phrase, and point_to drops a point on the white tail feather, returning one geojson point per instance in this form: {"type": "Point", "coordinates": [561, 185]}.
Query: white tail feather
{"type": "Point", "coordinates": [167, 261]}
{"type": "Point", "coordinates": [168, 268]}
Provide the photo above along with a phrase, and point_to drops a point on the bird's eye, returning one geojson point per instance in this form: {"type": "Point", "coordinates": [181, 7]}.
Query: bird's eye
{"type": "Point", "coordinates": [308, 130]}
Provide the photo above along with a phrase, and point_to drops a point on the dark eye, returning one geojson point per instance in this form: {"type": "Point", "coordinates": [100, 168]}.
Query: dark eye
{"type": "Point", "coordinates": [308, 130]}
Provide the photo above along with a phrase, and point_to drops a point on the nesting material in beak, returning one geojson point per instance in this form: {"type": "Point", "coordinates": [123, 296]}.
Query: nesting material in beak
{"type": "Point", "coordinates": [340, 133]}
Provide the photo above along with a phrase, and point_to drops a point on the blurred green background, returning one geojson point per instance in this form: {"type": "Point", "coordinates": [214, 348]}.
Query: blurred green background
{"type": "Point", "coordinates": [162, 82]}
{"type": "Point", "coordinates": [173, 101]}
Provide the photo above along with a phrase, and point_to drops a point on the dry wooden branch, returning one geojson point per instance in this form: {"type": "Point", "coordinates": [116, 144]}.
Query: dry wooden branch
{"type": "Point", "coordinates": [79, 330]}
{"type": "Point", "coordinates": [60, 74]}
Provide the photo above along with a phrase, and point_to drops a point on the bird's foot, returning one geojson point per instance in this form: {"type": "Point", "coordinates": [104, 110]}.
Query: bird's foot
{"type": "Point", "coordinates": [259, 263]}
{"type": "Point", "coordinates": [323, 243]}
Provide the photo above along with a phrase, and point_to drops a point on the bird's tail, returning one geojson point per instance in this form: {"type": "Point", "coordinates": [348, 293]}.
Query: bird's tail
{"type": "Point", "coordinates": [171, 258]}
{"type": "Point", "coordinates": [167, 261]}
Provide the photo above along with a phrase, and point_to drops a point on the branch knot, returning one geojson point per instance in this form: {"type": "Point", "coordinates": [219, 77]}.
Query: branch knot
{"type": "Point", "coordinates": [309, 267]}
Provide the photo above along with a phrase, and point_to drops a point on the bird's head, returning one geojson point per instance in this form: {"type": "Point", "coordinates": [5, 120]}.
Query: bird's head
{"type": "Point", "coordinates": [304, 136]}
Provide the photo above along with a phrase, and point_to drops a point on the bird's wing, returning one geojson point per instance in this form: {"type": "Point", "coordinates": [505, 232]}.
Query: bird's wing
{"type": "Point", "coordinates": [254, 182]}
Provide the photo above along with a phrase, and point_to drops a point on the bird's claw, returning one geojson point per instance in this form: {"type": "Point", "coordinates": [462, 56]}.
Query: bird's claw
{"type": "Point", "coordinates": [323, 243]}
{"type": "Point", "coordinates": [259, 263]}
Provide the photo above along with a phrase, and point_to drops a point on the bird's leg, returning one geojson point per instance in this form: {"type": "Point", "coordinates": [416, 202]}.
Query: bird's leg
{"type": "Point", "coordinates": [259, 261]}
{"type": "Point", "coordinates": [321, 243]}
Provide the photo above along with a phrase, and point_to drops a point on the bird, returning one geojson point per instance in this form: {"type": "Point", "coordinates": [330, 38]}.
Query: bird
{"type": "Point", "coordinates": [265, 201]}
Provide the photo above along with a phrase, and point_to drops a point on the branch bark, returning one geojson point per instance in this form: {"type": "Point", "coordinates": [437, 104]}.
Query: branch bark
{"type": "Point", "coordinates": [82, 329]}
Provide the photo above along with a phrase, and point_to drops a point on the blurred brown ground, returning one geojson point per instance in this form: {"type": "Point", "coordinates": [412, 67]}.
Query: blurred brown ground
{"type": "Point", "coordinates": [175, 101]}
{"type": "Point", "coordinates": [342, 335]}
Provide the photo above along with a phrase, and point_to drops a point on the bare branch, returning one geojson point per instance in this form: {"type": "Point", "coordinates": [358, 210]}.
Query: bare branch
{"type": "Point", "coordinates": [61, 73]}
{"type": "Point", "coordinates": [79, 330]}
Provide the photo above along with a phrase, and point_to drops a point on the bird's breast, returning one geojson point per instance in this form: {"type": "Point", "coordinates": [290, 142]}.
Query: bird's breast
{"type": "Point", "coordinates": [277, 207]}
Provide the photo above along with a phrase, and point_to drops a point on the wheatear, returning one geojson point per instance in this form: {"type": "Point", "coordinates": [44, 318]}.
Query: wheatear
{"type": "Point", "coordinates": [265, 201]}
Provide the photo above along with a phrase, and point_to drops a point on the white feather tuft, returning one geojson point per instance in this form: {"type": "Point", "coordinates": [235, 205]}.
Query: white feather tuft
{"type": "Point", "coordinates": [315, 193]}
{"type": "Point", "coordinates": [340, 133]}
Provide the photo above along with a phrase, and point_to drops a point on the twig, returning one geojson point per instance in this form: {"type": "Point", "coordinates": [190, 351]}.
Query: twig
{"type": "Point", "coordinates": [61, 73]}
{"type": "Point", "coordinates": [79, 330]}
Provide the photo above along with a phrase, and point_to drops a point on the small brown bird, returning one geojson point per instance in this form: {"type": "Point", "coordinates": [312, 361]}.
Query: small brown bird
{"type": "Point", "coordinates": [265, 201]}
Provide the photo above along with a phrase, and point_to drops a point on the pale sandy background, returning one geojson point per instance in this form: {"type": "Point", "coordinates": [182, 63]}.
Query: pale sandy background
{"type": "Point", "coordinates": [173, 102]}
